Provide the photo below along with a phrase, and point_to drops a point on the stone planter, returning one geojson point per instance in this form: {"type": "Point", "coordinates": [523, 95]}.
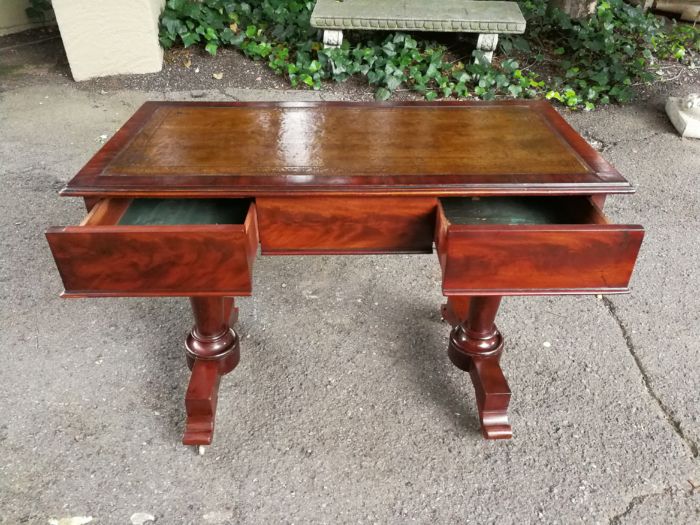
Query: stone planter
{"type": "Point", "coordinates": [110, 37]}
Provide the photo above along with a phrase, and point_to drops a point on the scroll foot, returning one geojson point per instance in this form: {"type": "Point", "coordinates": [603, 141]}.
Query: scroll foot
{"type": "Point", "coordinates": [200, 403]}
{"type": "Point", "coordinates": [492, 391]}
{"type": "Point", "coordinates": [213, 350]}
{"type": "Point", "coordinates": [492, 398]}
{"type": "Point", "coordinates": [475, 347]}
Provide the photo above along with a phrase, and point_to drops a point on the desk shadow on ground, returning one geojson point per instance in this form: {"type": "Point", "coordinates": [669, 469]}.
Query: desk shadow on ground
{"type": "Point", "coordinates": [421, 339]}
{"type": "Point", "coordinates": [167, 375]}
{"type": "Point", "coordinates": [420, 351]}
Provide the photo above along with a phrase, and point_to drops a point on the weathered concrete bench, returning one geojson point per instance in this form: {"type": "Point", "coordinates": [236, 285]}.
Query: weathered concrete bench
{"type": "Point", "coordinates": [487, 18]}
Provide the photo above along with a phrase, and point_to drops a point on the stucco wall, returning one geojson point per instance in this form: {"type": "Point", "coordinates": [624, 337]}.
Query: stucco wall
{"type": "Point", "coordinates": [13, 19]}
{"type": "Point", "coordinates": [110, 37]}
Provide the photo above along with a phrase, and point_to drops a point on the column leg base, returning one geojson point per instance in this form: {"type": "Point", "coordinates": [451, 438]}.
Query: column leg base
{"type": "Point", "coordinates": [491, 388]}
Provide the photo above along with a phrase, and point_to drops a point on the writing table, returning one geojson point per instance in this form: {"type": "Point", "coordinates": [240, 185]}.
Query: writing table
{"type": "Point", "coordinates": [184, 193]}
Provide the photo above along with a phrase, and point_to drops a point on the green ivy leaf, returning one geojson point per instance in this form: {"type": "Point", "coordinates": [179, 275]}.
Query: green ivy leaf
{"type": "Point", "coordinates": [382, 94]}
{"type": "Point", "coordinates": [515, 91]}
{"type": "Point", "coordinates": [392, 83]}
{"type": "Point", "coordinates": [211, 48]}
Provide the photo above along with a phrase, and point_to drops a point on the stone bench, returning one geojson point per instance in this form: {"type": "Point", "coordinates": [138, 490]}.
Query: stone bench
{"type": "Point", "coordinates": [487, 18]}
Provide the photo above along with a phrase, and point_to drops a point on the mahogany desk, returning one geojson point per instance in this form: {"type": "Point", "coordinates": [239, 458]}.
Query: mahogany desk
{"type": "Point", "coordinates": [181, 197]}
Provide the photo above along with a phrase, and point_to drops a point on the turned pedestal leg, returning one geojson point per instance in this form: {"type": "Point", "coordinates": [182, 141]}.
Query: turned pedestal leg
{"type": "Point", "coordinates": [230, 311]}
{"type": "Point", "coordinates": [455, 310]}
{"type": "Point", "coordinates": [212, 350]}
{"type": "Point", "coordinates": [476, 346]}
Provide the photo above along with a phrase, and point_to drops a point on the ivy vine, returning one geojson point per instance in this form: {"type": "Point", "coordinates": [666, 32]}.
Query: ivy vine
{"type": "Point", "coordinates": [578, 63]}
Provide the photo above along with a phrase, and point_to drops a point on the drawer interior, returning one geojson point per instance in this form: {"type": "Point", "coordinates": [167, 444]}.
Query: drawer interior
{"type": "Point", "coordinates": [474, 211]}
{"type": "Point", "coordinates": [168, 212]}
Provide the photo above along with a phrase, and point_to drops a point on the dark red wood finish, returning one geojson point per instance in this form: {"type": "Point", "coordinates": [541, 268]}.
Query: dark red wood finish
{"type": "Point", "coordinates": [592, 257]}
{"type": "Point", "coordinates": [476, 346]}
{"type": "Point", "coordinates": [322, 225]}
{"type": "Point", "coordinates": [456, 309]}
{"type": "Point", "coordinates": [212, 350]}
{"type": "Point", "coordinates": [101, 258]}
{"type": "Point", "coordinates": [344, 178]}
{"type": "Point", "coordinates": [239, 149]}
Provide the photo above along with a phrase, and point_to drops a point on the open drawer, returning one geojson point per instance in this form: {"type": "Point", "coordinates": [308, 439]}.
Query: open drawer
{"type": "Point", "coordinates": [532, 246]}
{"type": "Point", "coordinates": [169, 247]}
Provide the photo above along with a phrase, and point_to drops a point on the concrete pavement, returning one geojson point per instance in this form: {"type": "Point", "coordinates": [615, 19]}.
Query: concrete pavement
{"type": "Point", "coordinates": [344, 407]}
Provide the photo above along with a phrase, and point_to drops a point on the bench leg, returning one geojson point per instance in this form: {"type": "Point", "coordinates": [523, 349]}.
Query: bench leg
{"type": "Point", "coordinates": [475, 347]}
{"type": "Point", "coordinates": [332, 38]}
{"type": "Point", "coordinates": [487, 43]}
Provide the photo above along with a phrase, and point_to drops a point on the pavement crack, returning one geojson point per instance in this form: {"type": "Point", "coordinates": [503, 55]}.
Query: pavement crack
{"type": "Point", "coordinates": [635, 501]}
{"type": "Point", "coordinates": [227, 95]}
{"type": "Point", "coordinates": [646, 380]}
{"type": "Point", "coordinates": [604, 146]}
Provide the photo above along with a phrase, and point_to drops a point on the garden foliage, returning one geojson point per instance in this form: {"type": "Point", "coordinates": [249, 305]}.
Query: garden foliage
{"type": "Point", "coordinates": [578, 63]}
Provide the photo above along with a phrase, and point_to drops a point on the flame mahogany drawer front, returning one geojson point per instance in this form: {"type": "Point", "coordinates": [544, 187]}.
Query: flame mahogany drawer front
{"type": "Point", "coordinates": [323, 225]}
{"type": "Point", "coordinates": [140, 247]}
{"type": "Point", "coordinates": [531, 246]}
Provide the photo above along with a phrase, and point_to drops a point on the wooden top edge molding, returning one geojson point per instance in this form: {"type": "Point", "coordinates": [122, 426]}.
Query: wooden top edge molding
{"type": "Point", "coordinates": [438, 148]}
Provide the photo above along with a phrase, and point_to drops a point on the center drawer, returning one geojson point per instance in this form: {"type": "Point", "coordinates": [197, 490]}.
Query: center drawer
{"type": "Point", "coordinates": [532, 246]}
{"type": "Point", "coordinates": [170, 247]}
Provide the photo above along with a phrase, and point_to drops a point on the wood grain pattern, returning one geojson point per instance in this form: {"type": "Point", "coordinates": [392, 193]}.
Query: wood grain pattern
{"type": "Point", "coordinates": [476, 346]}
{"type": "Point", "coordinates": [198, 149]}
{"type": "Point", "coordinates": [112, 260]}
{"type": "Point", "coordinates": [347, 178]}
{"type": "Point", "coordinates": [456, 309]}
{"type": "Point", "coordinates": [212, 349]}
{"type": "Point", "coordinates": [323, 225]}
{"type": "Point", "coordinates": [200, 403]}
{"type": "Point", "coordinates": [536, 260]}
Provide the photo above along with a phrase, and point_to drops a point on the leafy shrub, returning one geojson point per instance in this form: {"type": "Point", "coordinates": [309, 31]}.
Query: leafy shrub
{"type": "Point", "coordinates": [600, 58]}
{"type": "Point", "coordinates": [579, 63]}
{"type": "Point", "coordinates": [279, 32]}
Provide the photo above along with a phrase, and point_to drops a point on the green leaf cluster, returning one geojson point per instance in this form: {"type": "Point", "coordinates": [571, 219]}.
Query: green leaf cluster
{"type": "Point", "coordinates": [601, 58]}
{"type": "Point", "coordinates": [279, 32]}
{"type": "Point", "coordinates": [577, 63]}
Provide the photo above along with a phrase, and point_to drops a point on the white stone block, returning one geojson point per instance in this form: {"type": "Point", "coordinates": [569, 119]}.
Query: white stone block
{"type": "Point", "coordinates": [110, 37]}
{"type": "Point", "coordinates": [684, 113]}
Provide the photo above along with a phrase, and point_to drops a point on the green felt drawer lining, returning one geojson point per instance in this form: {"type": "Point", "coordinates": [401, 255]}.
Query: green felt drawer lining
{"type": "Point", "coordinates": [512, 210]}
{"type": "Point", "coordinates": [142, 212]}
